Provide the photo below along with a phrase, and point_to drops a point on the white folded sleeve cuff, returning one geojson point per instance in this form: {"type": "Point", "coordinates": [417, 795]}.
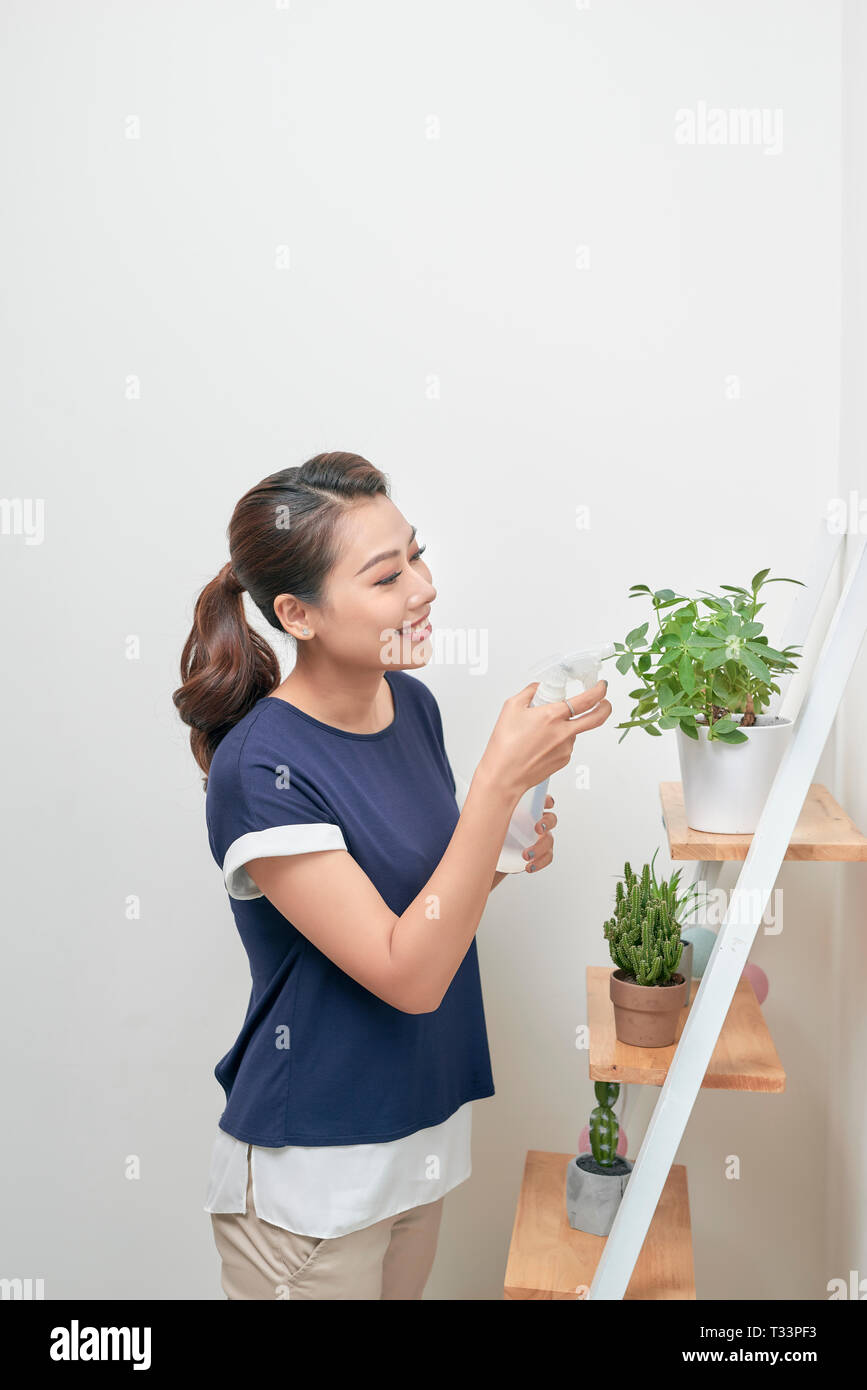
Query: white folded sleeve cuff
{"type": "Point", "coordinates": [269, 844]}
{"type": "Point", "coordinates": [511, 861]}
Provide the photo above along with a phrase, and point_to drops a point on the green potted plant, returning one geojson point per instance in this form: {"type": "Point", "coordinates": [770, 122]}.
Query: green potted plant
{"type": "Point", "coordinates": [647, 988]}
{"type": "Point", "coordinates": [709, 675]}
{"type": "Point", "coordinates": [680, 906]}
{"type": "Point", "coordinates": [595, 1182]}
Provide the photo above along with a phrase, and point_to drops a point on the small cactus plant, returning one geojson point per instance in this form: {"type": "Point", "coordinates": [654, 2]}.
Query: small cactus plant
{"type": "Point", "coordinates": [595, 1182]}
{"type": "Point", "coordinates": [604, 1129]}
{"type": "Point", "coordinates": [644, 934]}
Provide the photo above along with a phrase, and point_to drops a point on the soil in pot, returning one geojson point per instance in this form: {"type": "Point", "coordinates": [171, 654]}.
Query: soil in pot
{"type": "Point", "coordinates": [647, 1015]}
{"type": "Point", "coordinates": [618, 1169]}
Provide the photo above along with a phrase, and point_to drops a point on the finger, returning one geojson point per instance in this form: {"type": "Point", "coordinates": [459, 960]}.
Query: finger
{"type": "Point", "coordinates": [548, 821]}
{"type": "Point", "coordinates": [549, 800]}
{"type": "Point", "coordinates": [540, 863]}
{"type": "Point", "coordinates": [524, 696]}
{"type": "Point", "coordinates": [585, 701]}
{"type": "Point", "coordinates": [592, 720]}
{"type": "Point", "coordinates": [543, 845]}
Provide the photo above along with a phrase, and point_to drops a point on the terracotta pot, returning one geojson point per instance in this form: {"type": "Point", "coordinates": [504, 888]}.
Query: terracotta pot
{"type": "Point", "coordinates": [647, 1015]}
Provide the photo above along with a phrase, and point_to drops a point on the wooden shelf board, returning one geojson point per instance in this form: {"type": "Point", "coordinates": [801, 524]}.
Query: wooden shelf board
{"type": "Point", "coordinates": [823, 831]}
{"type": "Point", "coordinates": [744, 1058]}
{"type": "Point", "coordinates": [550, 1260]}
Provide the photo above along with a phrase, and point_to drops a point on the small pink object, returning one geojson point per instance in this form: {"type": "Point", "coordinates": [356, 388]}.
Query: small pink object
{"type": "Point", "coordinates": [758, 979]}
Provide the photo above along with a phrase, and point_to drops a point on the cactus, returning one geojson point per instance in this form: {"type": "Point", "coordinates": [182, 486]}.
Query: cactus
{"type": "Point", "coordinates": [644, 934]}
{"type": "Point", "coordinates": [604, 1129]}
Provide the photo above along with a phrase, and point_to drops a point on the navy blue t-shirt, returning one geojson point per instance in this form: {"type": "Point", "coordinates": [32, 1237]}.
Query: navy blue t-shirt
{"type": "Point", "coordinates": [320, 1059]}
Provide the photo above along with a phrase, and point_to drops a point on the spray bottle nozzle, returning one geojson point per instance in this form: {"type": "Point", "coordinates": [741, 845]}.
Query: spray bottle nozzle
{"type": "Point", "coordinates": [556, 671]}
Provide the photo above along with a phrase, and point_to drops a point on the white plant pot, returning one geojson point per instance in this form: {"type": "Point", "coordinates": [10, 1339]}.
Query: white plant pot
{"type": "Point", "coordinates": [726, 785]}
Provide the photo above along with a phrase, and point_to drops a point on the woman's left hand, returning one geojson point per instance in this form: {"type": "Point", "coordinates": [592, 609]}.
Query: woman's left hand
{"type": "Point", "coordinates": [540, 854]}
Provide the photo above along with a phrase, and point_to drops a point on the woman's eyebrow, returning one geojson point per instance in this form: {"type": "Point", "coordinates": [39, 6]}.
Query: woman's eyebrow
{"type": "Point", "coordinates": [384, 555]}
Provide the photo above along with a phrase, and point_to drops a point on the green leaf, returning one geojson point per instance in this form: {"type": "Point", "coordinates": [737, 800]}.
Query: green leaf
{"type": "Point", "coordinates": [734, 737]}
{"type": "Point", "coordinates": [644, 661]}
{"type": "Point", "coordinates": [686, 674]}
{"type": "Point", "coordinates": [762, 649]}
{"type": "Point", "coordinates": [758, 579]}
{"type": "Point", "coordinates": [753, 664]}
{"type": "Point", "coordinates": [687, 615]}
{"type": "Point", "coordinates": [714, 659]}
{"type": "Point", "coordinates": [638, 589]}
{"type": "Point", "coordinates": [624, 662]}
{"type": "Point", "coordinates": [666, 594]}
{"type": "Point", "coordinates": [688, 726]}
{"type": "Point", "coordinates": [637, 634]}
{"type": "Point", "coordinates": [723, 726]}
{"type": "Point", "coordinates": [651, 729]}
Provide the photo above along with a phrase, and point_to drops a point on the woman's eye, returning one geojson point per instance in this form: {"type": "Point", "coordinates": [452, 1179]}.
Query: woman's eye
{"type": "Point", "coordinates": [392, 577]}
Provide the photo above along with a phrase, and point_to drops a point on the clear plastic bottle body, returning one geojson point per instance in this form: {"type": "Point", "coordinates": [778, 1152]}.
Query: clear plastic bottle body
{"type": "Point", "coordinates": [555, 675]}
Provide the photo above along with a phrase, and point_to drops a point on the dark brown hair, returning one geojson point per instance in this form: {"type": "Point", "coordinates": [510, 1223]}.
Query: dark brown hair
{"type": "Point", "coordinates": [283, 539]}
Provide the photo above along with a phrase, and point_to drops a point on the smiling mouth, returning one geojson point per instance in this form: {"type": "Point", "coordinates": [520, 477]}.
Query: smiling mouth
{"type": "Point", "coordinates": [423, 625]}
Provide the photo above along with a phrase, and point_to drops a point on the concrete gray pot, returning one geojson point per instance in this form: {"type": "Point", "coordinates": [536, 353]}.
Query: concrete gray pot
{"type": "Point", "coordinates": [685, 966]}
{"type": "Point", "coordinates": [593, 1193]}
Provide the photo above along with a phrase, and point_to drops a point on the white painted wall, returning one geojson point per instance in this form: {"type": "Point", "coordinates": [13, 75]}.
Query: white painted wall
{"type": "Point", "coordinates": [553, 305]}
{"type": "Point", "coordinates": [845, 1155]}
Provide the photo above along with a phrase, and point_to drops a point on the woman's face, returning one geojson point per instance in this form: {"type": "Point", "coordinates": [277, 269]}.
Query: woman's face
{"type": "Point", "coordinates": [378, 589]}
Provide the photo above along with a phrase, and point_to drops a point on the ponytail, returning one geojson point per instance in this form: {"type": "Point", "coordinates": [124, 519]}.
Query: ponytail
{"type": "Point", "coordinates": [225, 667]}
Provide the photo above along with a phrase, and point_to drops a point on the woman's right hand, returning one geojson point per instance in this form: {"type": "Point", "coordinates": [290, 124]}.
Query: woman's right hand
{"type": "Point", "coordinates": [531, 742]}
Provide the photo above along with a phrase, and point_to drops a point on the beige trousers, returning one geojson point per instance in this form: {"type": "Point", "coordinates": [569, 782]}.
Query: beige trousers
{"type": "Point", "coordinates": [390, 1259]}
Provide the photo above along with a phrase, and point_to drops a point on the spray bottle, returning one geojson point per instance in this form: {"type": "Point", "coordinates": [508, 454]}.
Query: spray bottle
{"type": "Point", "coordinates": [554, 674]}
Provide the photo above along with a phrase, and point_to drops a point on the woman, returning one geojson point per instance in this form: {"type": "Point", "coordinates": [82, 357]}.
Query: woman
{"type": "Point", "coordinates": [356, 886]}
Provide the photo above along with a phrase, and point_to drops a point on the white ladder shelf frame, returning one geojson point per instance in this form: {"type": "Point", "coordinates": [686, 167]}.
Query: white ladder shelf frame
{"type": "Point", "coordinates": [746, 908]}
{"type": "Point", "coordinates": [826, 546]}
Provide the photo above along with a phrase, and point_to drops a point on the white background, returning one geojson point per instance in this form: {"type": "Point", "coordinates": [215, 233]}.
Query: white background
{"type": "Point", "coordinates": [434, 318]}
